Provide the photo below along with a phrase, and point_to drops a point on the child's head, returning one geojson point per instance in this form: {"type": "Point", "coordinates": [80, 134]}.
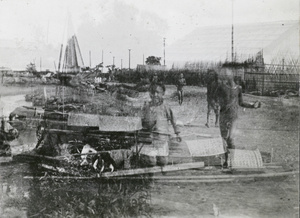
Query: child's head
{"type": "Point", "coordinates": [157, 92]}
{"type": "Point", "coordinates": [226, 74]}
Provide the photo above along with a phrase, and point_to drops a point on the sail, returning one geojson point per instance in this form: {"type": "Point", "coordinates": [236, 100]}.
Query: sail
{"type": "Point", "coordinates": [72, 60]}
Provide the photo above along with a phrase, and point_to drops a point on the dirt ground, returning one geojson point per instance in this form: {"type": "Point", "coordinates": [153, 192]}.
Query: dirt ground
{"type": "Point", "coordinates": [275, 126]}
{"type": "Point", "coordinates": [272, 128]}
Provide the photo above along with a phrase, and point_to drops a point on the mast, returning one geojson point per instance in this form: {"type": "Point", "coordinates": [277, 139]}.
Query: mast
{"type": "Point", "coordinates": [76, 41]}
{"type": "Point", "coordinates": [65, 60]}
{"type": "Point", "coordinates": [59, 61]}
{"type": "Point", "coordinates": [75, 64]}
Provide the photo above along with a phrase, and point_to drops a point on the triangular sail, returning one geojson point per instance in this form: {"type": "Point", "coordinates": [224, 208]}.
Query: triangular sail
{"type": "Point", "coordinates": [71, 56]}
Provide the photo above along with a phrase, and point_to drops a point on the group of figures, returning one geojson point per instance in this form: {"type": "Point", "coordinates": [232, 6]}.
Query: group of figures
{"type": "Point", "coordinates": [224, 96]}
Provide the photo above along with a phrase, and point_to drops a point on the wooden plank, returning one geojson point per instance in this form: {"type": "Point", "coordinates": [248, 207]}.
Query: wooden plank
{"type": "Point", "coordinates": [222, 176]}
{"type": "Point", "coordinates": [139, 171]}
{"type": "Point", "coordinates": [197, 134]}
{"type": "Point", "coordinates": [201, 178]}
{"type": "Point", "coordinates": [157, 169]}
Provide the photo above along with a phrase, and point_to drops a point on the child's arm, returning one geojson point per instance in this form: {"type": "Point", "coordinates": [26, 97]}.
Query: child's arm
{"type": "Point", "coordinates": [173, 121]}
{"type": "Point", "coordinates": [246, 104]}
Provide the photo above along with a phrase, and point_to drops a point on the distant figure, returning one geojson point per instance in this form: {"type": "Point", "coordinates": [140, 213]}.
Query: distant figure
{"type": "Point", "coordinates": [212, 102]}
{"type": "Point", "coordinates": [230, 98]}
{"type": "Point", "coordinates": [180, 83]}
{"type": "Point", "coordinates": [154, 79]}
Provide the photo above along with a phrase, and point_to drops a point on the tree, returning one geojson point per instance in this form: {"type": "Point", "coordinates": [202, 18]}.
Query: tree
{"type": "Point", "coordinates": [152, 60]}
{"type": "Point", "coordinates": [31, 68]}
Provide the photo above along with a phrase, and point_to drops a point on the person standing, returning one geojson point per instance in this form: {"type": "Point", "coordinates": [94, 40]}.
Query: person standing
{"type": "Point", "coordinates": [155, 120]}
{"type": "Point", "coordinates": [212, 102]}
{"type": "Point", "coordinates": [180, 83]}
{"type": "Point", "coordinates": [230, 97]}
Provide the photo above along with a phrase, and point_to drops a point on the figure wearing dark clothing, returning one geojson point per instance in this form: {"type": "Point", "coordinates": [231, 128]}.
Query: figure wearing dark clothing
{"type": "Point", "coordinates": [212, 101]}
{"type": "Point", "coordinates": [154, 79]}
{"type": "Point", "coordinates": [230, 97]}
{"type": "Point", "coordinates": [180, 83]}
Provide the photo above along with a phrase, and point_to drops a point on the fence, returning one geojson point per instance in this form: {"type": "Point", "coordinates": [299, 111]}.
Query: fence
{"type": "Point", "coordinates": [266, 83]}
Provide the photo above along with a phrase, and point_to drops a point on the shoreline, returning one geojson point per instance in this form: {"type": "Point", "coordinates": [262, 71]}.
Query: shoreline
{"type": "Point", "coordinates": [17, 90]}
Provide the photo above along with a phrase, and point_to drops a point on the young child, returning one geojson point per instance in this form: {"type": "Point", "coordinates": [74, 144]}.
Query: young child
{"type": "Point", "coordinates": [180, 83]}
{"type": "Point", "coordinates": [230, 97]}
{"type": "Point", "coordinates": [156, 118]}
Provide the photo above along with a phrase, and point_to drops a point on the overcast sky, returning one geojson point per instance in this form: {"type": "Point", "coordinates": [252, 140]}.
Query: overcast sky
{"type": "Point", "coordinates": [114, 26]}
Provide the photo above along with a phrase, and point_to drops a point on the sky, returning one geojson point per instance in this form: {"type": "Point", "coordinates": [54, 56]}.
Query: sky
{"type": "Point", "coordinates": [33, 30]}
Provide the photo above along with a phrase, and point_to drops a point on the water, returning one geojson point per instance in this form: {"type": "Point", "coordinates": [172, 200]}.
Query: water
{"type": "Point", "coordinates": [9, 103]}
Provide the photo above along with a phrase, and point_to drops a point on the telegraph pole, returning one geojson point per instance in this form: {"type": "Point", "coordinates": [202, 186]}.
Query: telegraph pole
{"type": "Point", "coordinates": [129, 58]}
{"type": "Point", "coordinates": [40, 64]}
{"type": "Point", "coordinates": [143, 60]}
{"type": "Point", "coordinates": [232, 51]}
{"type": "Point", "coordinates": [113, 60]}
{"type": "Point", "coordinates": [90, 59]}
{"type": "Point", "coordinates": [121, 64]}
{"type": "Point", "coordinates": [102, 61]}
{"type": "Point", "coordinates": [164, 51]}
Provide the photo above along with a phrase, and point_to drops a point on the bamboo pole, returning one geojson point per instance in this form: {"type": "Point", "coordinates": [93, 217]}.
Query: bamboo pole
{"type": "Point", "coordinates": [212, 178]}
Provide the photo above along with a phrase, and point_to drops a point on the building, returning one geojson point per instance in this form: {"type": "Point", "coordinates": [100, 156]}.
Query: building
{"type": "Point", "coordinates": [277, 40]}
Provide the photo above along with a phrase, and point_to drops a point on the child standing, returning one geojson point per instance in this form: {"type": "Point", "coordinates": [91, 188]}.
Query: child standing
{"type": "Point", "coordinates": [156, 118]}
{"type": "Point", "coordinates": [230, 97]}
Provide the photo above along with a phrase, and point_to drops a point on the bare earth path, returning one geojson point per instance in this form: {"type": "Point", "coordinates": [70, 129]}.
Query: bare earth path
{"type": "Point", "coordinates": [274, 126]}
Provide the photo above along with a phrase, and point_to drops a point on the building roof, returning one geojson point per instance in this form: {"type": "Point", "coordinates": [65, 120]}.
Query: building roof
{"type": "Point", "coordinates": [277, 40]}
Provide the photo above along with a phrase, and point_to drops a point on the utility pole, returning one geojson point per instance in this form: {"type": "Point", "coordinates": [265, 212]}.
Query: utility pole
{"type": "Point", "coordinates": [232, 51]}
{"type": "Point", "coordinates": [164, 51]}
{"type": "Point", "coordinates": [129, 59]}
{"type": "Point", "coordinates": [113, 60]}
{"type": "Point", "coordinates": [102, 61]}
{"type": "Point", "coordinates": [90, 59]}
{"type": "Point", "coordinates": [121, 64]}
